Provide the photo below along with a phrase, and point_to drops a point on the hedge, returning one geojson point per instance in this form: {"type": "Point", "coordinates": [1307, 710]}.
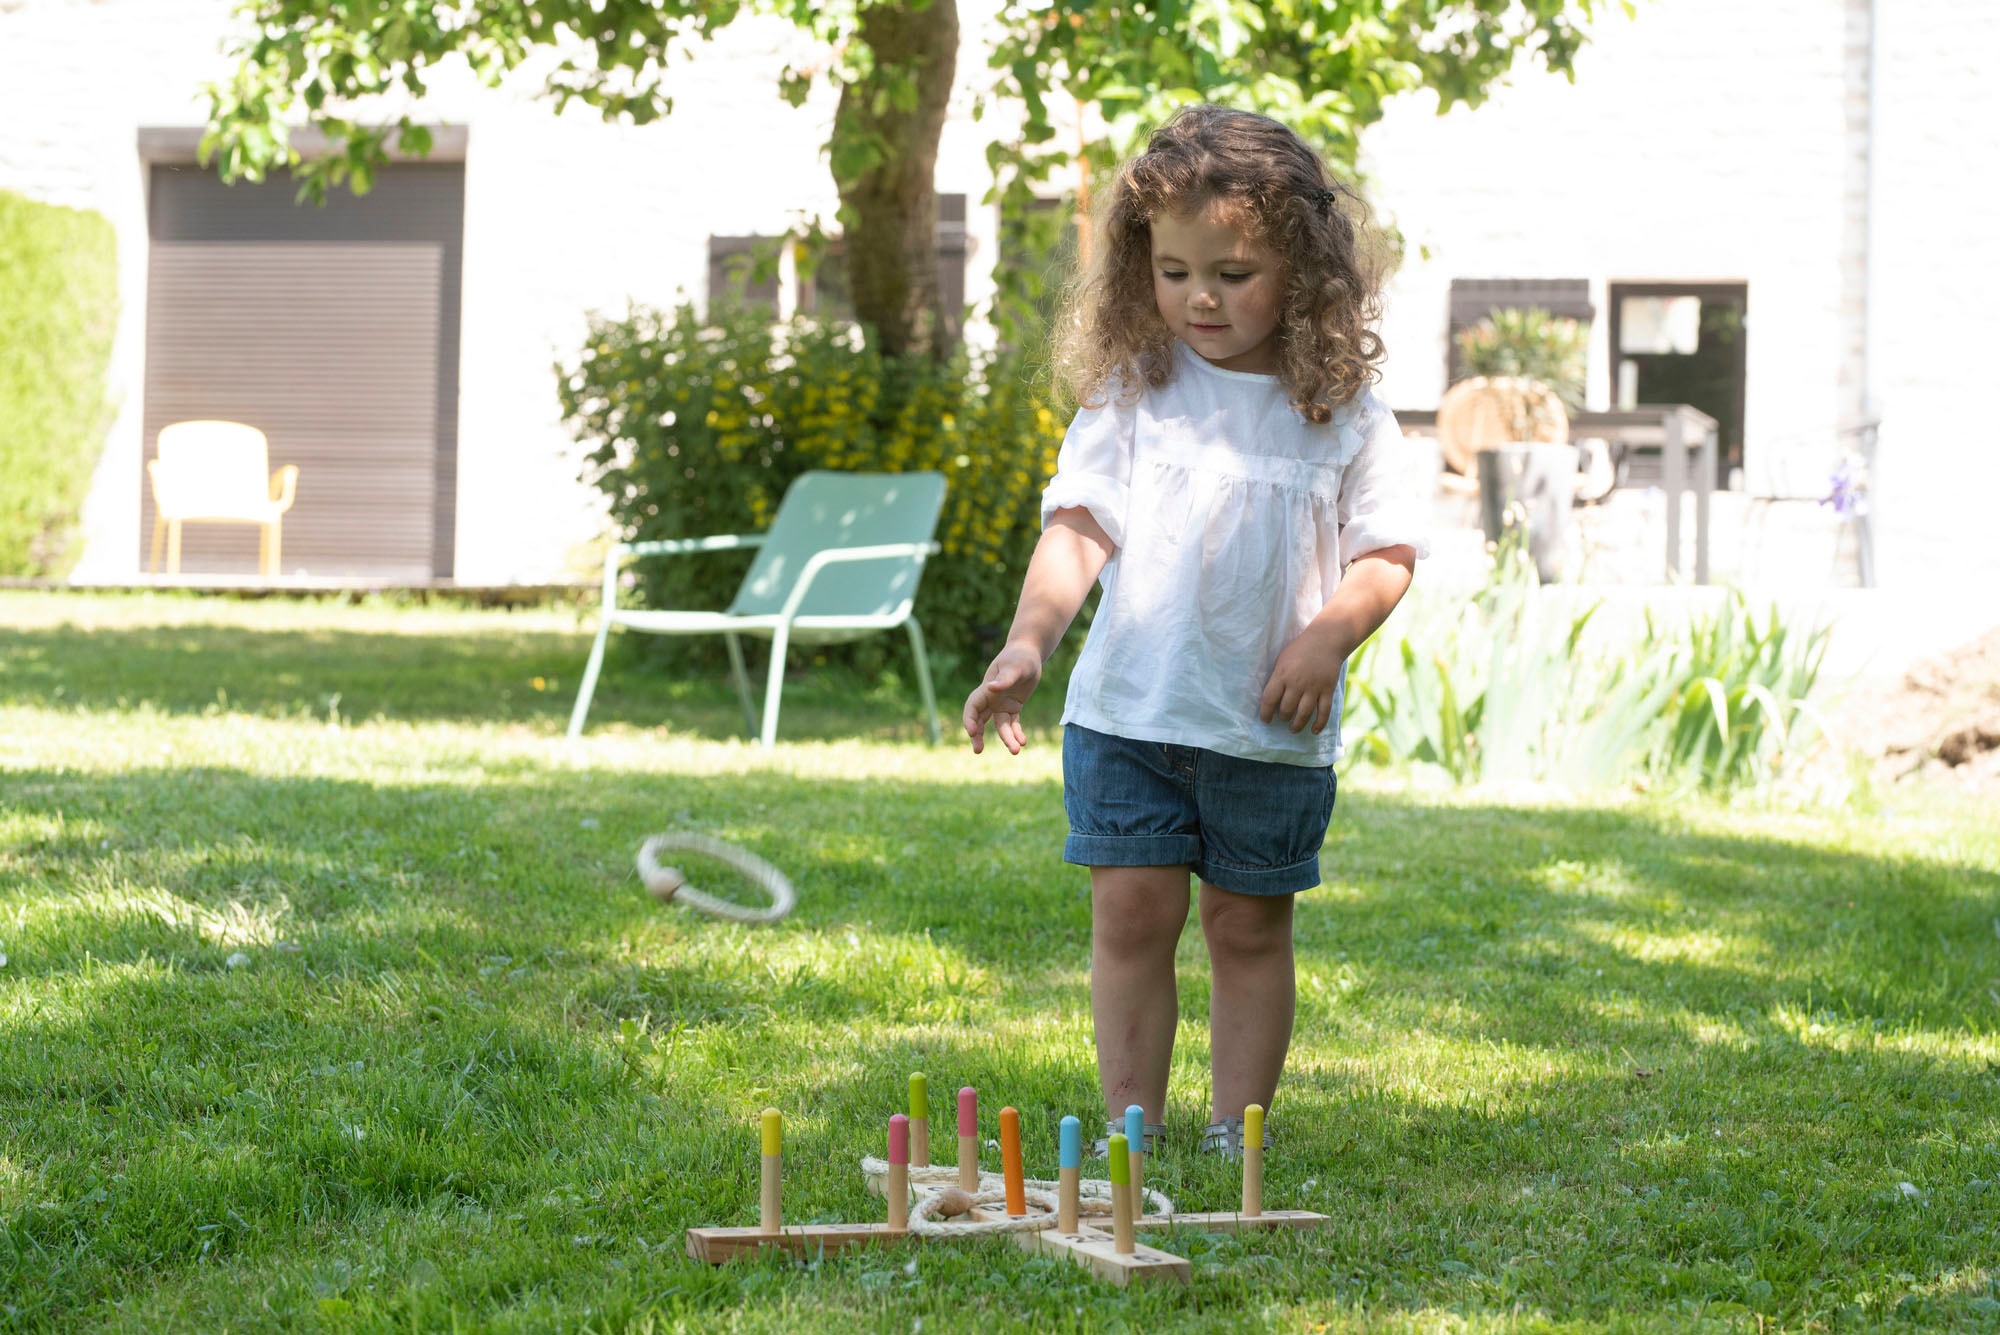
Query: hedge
{"type": "Point", "coordinates": [58, 312]}
{"type": "Point", "coordinates": [695, 426]}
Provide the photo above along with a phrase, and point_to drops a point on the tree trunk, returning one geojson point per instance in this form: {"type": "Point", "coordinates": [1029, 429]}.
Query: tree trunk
{"type": "Point", "coordinates": [885, 158]}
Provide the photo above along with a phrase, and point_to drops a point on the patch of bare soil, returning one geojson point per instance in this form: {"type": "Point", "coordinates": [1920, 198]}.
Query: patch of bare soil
{"type": "Point", "coordinates": [1941, 721]}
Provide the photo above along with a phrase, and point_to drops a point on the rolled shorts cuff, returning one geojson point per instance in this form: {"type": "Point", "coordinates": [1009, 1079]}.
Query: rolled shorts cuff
{"type": "Point", "coordinates": [1131, 850]}
{"type": "Point", "coordinates": [1177, 850]}
{"type": "Point", "coordinates": [1261, 880]}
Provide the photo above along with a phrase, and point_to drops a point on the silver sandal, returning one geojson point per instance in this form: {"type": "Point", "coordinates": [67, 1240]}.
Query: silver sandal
{"type": "Point", "coordinates": [1226, 1138]}
{"type": "Point", "coordinates": [1102, 1147]}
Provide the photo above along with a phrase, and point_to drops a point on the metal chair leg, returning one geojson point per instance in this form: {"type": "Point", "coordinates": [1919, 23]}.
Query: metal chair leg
{"type": "Point", "coordinates": [775, 684]}
{"type": "Point", "coordinates": [924, 677]}
{"type": "Point", "coordinates": [742, 676]}
{"type": "Point", "coordinates": [589, 686]}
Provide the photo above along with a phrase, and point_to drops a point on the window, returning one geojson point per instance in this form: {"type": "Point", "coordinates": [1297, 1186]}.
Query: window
{"type": "Point", "coordinates": [1684, 343]}
{"type": "Point", "coordinates": [260, 309]}
{"type": "Point", "coordinates": [1659, 324]}
{"type": "Point", "coordinates": [828, 294]}
{"type": "Point", "coordinates": [1473, 299]}
{"type": "Point", "coordinates": [743, 271]}
{"type": "Point", "coordinates": [1042, 249]}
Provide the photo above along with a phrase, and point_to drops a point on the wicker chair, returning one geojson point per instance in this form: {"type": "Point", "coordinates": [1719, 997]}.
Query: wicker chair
{"type": "Point", "coordinates": [1488, 411]}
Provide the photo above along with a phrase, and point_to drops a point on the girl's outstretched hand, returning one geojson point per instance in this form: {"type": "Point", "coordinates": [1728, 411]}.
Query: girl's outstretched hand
{"type": "Point", "coordinates": [1010, 680]}
{"type": "Point", "coordinates": [1303, 681]}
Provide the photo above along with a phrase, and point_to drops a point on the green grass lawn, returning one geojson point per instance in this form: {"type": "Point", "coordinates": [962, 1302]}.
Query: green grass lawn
{"type": "Point", "coordinates": [330, 1000]}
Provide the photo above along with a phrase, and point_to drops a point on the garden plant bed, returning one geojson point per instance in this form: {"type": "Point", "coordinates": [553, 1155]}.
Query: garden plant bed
{"type": "Point", "coordinates": [1940, 721]}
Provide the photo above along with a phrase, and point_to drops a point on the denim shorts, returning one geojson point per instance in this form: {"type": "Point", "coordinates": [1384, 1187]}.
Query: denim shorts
{"type": "Point", "coordinates": [1251, 826]}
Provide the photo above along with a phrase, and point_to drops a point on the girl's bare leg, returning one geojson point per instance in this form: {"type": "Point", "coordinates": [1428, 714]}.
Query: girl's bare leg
{"type": "Point", "coordinates": [1252, 997]}
{"type": "Point", "coordinates": [1136, 917]}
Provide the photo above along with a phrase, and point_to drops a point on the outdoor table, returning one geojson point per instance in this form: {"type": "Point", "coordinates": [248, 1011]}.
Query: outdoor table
{"type": "Point", "coordinates": [1682, 439]}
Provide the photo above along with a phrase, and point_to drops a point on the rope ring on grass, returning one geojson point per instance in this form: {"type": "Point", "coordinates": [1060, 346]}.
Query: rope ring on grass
{"type": "Point", "coordinates": [1091, 1191]}
{"type": "Point", "coordinates": [928, 1204]}
{"type": "Point", "coordinates": [666, 884]}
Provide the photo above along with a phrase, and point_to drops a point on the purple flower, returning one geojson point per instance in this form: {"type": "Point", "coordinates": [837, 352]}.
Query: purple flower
{"type": "Point", "coordinates": [1849, 494]}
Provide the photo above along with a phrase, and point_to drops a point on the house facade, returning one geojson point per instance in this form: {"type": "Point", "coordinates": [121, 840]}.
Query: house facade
{"type": "Point", "coordinates": [1763, 209]}
{"type": "Point", "coordinates": [1812, 173]}
{"type": "Point", "coordinates": [400, 347]}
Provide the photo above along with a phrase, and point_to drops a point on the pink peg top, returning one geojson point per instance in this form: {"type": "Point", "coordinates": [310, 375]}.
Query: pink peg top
{"type": "Point", "coordinates": [899, 1139]}
{"type": "Point", "coordinates": [968, 1112]}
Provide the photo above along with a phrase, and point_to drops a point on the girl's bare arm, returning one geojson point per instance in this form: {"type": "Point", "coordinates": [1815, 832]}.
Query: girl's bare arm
{"type": "Point", "coordinates": [1302, 685]}
{"type": "Point", "coordinates": [1067, 560]}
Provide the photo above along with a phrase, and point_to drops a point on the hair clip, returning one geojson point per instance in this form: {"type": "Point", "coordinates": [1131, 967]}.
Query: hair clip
{"type": "Point", "coordinates": [1324, 198]}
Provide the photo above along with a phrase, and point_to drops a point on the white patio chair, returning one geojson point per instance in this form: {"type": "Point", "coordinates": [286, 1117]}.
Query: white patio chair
{"type": "Point", "coordinates": [217, 472]}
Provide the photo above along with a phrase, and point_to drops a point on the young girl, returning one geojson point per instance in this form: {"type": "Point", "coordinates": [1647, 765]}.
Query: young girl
{"type": "Point", "coordinates": [1231, 480]}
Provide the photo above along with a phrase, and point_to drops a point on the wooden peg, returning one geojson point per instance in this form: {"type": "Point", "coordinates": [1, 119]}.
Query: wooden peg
{"type": "Point", "coordinates": [1253, 1161]}
{"type": "Point", "coordinates": [920, 1121]}
{"type": "Point", "coordinates": [898, 1188]}
{"type": "Point", "coordinates": [968, 1141]}
{"type": "Point", "coordinates": [769, 1217]}
{"type": "Point", "coordinates": [1135, 1137]}
{"type": "Point", "coordinates": [1069, 1160]}
{"type": "Point", "coordinates": [1010, 1162]}
{"type": "Point", "coordinates": [1123, 1239]}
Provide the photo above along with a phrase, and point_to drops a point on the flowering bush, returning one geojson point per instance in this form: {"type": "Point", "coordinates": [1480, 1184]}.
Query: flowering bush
{"type": "Point", "coordinates": [696, 426]}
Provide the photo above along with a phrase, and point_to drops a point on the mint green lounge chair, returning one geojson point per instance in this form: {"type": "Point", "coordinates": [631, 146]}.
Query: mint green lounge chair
{"type": "Point", "coordinates": [841, 560]}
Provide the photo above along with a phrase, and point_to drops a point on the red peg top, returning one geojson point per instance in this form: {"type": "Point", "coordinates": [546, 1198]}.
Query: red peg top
{"type": "Point", "coordinates": [899, 1139]}
{"type": "Point", "coordinates": [968, 1112]}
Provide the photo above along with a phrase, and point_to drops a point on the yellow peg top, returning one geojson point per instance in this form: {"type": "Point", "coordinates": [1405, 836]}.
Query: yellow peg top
{"type": "Point", "coordinates": [1121, 1160]}
{"type": "Point", "coordinates": [774, 1131]}
{"type": "Point", "coordinates": [920, 1097]}
{"type": "Point", "coordinates": [1253, 1126]}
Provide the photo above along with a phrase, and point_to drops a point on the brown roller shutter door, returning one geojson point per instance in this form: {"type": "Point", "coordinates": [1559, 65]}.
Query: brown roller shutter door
{"type": "Point", "coordinates": [334, 330]}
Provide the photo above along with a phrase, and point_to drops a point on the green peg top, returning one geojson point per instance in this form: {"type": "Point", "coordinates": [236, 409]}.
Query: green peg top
{"type": "Point", "coordinates": [1121, 1160]}
{"type": "Point", "coordinates": [920, 1097]}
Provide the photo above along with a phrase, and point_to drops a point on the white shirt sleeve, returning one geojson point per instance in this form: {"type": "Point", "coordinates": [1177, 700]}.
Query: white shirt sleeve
{"type": "Point", "coordinates": [1376, 507]}
{"type": "Point", "coordinates": [1094, 467]}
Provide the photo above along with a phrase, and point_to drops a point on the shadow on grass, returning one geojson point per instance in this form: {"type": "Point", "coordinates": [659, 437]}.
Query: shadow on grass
{"type": "Point", "coordinates": [1431, 903]}
{"type": "Point", "coordinates": [494, 676]}
{"type": "Point", "coordinates": [1585, 1062]}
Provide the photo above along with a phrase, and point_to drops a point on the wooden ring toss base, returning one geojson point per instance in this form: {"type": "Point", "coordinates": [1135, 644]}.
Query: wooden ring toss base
{"type": "Point", "coordinates": [1090, 1222]}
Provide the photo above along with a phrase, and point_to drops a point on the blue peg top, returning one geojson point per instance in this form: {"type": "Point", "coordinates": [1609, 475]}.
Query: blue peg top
{"type": "Point", "coordinates": [1135, 1126]}
{"type": "Point", "coordinates": [1069, 1148]}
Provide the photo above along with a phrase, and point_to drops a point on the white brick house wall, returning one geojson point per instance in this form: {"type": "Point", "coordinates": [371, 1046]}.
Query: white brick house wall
{"type": "Point", "coordinates": [1936, 293]}
{"type": "Point", "coordinates": [1718, 140]}
{"type": "Point", "coordinates": [1704, 140]}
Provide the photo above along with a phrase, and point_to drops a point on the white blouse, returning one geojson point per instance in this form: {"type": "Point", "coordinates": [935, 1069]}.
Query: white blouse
{"type": "Point", "coordinates": [1233, 518]}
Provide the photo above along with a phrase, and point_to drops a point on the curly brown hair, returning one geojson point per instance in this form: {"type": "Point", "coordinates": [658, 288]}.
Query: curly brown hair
{"type": "Point", "coordinates": [1275, 187]}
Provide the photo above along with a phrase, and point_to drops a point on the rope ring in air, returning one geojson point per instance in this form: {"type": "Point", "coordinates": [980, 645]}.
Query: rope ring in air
{"type": "Point", "coordinates": [667, 884]}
